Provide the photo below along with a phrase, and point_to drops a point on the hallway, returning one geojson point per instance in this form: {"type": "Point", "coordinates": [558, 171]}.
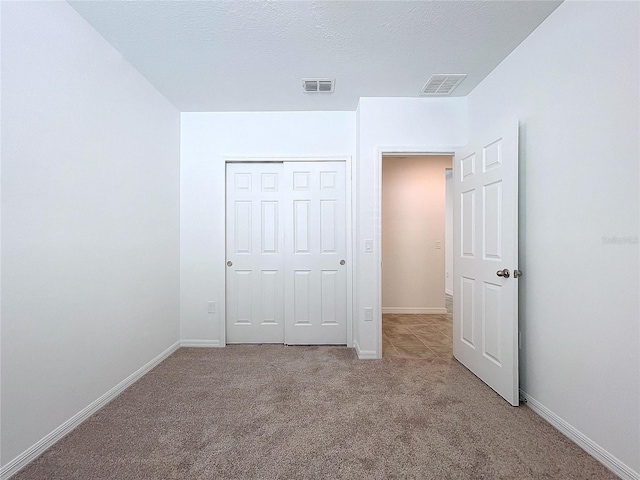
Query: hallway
{"type": "Point", "coordinates": [424, 337]}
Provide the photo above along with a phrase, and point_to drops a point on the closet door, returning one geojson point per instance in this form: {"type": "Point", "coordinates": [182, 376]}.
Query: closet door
{"type": "Point", "coordinates": [315, 253]}
{"type": "Point", "coordinates": [255, 253]}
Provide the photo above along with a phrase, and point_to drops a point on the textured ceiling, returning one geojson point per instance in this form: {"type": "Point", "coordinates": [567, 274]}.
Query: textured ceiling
{"type": "Point", "coordinates": [251, 56]}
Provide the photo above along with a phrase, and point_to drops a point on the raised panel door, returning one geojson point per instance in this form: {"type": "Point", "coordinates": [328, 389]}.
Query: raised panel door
{"type": "Point", "coordinates": [255, 253]}
{"type": "Point", "coordinates": [315, 251]}
{"type": "Point", "coordinates": [485, 310]}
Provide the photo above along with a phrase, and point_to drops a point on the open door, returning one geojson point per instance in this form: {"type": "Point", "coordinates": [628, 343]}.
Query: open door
{"type": "Point", "coordinates": [485, 260]}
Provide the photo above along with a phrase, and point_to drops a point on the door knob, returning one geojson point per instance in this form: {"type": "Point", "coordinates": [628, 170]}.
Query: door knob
{"type": "Point", "coordinates": [503, 273]}
{"type": "Point", "coordinates": [229, 263]}
{"type": "Point", "coordinates": [342, 262]}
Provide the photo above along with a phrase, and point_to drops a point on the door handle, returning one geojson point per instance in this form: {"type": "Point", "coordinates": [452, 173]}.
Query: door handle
{"type": "Point", "coordinates": [342, 262]}
{"type": "Point", "coordinates": [229, 263]}
{"type": "Point", "coordinates": [503, 273]}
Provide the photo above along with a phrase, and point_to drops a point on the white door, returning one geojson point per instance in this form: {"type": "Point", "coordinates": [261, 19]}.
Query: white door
{"type": "Point", "coordinates": [286, 238]}
{"type": "Point", "coordinates": [485, 310]}
{"type": "Point", "coordinates": [315, 254]}
{"type": "Point", "coordinates": [255, 253]}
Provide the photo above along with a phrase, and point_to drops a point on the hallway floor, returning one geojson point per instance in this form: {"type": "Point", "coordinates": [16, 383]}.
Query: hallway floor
{"type": "Point", "coordinates": [418, 336]}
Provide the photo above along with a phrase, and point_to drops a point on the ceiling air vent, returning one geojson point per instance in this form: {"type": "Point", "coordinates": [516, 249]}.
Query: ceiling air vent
{"type": "Point", "coordinates": [442, 83]}
{"type": "Point", "coordinates": [318, 85]}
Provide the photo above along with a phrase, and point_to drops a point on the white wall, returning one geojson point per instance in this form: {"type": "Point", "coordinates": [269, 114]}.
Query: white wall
{"type": "Point", "coordinates": [207, 139]}
{"type": "Point", "coordinates": [413, 221]}
{"type": "Point", "coordinates": [392, 125]}
{"type": "Point", "coordinates": [574, 85]}
{"type": "Point", "coordinates": [90, 220]}
{"type": "Point", "coordinates": [448, 255]}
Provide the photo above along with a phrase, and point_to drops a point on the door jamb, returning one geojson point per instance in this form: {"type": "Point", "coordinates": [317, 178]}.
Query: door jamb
{"type": "Point", "coordinates": [349, 205]}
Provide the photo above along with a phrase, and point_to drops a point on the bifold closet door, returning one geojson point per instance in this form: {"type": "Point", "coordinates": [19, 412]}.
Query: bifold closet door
{"type": "Point", "coordinates": [255, 253]}
{"type": "Point", "coordinates": [315, 253]}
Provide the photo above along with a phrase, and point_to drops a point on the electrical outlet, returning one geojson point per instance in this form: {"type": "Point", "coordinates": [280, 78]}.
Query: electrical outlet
{"type": "Point", "coordinates": [368, 314]}
{"type": "Point", "coordinates": [211, 307]}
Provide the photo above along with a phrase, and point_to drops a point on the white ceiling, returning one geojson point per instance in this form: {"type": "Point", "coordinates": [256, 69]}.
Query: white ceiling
{"type": "Point", "coordinates": [252, 56]}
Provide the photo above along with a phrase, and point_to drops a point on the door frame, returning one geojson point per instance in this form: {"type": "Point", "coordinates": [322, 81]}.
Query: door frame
{"type": "Point", "coordinates": [349, 207]}
{"type": "Point", "coordinates": [407, 151]}
{"type": "Point", "coordinates": [448, 232]}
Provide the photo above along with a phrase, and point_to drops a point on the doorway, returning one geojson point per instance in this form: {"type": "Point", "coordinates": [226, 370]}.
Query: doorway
{"type": "Point", "coordinates": [416, 312]}
{"type": "Point", "coordinates": [286, 253]}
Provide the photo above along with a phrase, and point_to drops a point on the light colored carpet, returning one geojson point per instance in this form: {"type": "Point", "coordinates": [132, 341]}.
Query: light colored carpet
{"type": "Point", "coordinates": [266, 412]}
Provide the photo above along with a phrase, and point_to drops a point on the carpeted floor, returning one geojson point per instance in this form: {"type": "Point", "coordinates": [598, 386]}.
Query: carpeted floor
{"type": "Point", "coordinates": [266, 412]}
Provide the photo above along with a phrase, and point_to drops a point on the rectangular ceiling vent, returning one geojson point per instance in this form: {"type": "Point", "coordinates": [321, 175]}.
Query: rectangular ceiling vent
{"type": "Point", "coordinates": [442, 83]}
{"type": "Point", "coordinates": [318, 85]}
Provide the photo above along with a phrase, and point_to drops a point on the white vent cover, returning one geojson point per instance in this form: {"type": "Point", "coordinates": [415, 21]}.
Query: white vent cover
{"type": "Point", "coordinates": [318, 85]}
{"type": "Point", "coordinates": [442, 83]}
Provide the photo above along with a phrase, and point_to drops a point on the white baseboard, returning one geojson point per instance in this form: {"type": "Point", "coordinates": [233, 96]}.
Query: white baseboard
{"type": "Point", "coordinates": [418, 310]}
{"type": "Point", "coordinates": [201, 343]}
{"type": "Point", "coordinates": [592, 448]}
{"type": "Point", "coordinates": [48, 441]}
{"type": "Point", "coordinates": [448, 292]}
{"type": "Point", "coordinates": [364, 354]}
